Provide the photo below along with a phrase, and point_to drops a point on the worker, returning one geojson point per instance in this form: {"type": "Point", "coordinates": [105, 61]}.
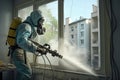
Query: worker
{"type": "Point", "coordinates": [27, 31]}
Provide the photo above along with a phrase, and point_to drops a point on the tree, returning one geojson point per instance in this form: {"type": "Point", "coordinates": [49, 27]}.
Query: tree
{"type": "Point", "coordinates": [50, 24]}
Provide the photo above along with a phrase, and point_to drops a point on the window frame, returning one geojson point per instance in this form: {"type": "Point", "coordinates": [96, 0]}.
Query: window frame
{"type": "Point", "coordinates": [104, 31]}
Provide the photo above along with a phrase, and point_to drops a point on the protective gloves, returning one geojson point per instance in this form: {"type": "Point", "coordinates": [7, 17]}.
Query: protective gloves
{"type": "Point", "coordinates": [41, 51]}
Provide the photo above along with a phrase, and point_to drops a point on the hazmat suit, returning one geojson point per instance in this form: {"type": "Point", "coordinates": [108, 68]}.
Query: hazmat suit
{"type": "Point", "coordinates": [24, 33]}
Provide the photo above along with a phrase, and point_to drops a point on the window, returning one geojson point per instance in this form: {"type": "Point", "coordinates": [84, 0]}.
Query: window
{"type": "Point", "coordinates": [72, 36]}
{"type": "Point", "coordinates": [82, 26]}
{"type": "Point", "coordinates": [82, 42]}
{"type": "Point", "coordinates": [50, 13]}
{"type": "Point", "coordinates": [82, 34]}
{"type": "Point", "coordinates": [72, 28]}
{"type": "Point", "coordinates": [90, 53]}
{"type": "Point", "coordinates": [79, 15]}
{"type": "Point", "coordinates": [95, 62]}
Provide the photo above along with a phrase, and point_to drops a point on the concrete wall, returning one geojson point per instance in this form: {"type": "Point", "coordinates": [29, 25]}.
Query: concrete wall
{"type": "Point", "coordinates": [5, 19]}
{"type": "Point", "coordinates": [63, 75]}
{"type": "Point", "coordinates": [6, 9]}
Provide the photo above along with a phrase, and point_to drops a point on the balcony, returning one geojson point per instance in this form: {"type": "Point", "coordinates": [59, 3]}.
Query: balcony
{"type": "Point", "coordinates": [94, 44]}
{"type": "Point", "coordinates": [94, 14]}
{"type": "Point", "coordinates": [96, 62]}
{"type": "Point", "coordinates": [95, 30]}
{"type": "Point", "coordinates": [95, 50]}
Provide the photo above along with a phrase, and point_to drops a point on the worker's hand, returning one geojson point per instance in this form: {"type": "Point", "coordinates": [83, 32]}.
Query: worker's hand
{"type": "Point", "coordinates": [41, 51]}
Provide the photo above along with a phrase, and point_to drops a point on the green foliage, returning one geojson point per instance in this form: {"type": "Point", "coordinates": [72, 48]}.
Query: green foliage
{"type": "Point", "coordinates": [50, 24]}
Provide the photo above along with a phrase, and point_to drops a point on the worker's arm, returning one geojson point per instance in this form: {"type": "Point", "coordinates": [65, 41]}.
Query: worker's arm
{"type": "Point", "coordinates": [23, 33]}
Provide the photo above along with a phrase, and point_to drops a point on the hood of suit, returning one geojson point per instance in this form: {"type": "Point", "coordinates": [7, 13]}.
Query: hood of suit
{"type": "Point", "coordinates": [34, 18]}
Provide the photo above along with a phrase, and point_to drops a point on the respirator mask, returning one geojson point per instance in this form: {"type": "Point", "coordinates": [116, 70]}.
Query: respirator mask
{"type": "Point", "coordinates": [40, 29]}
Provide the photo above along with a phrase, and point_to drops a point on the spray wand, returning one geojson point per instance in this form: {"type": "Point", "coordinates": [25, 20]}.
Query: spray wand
{"type": "Point", "coordinates": [48, 49]}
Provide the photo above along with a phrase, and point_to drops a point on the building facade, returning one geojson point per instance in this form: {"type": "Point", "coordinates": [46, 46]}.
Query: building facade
{"type": "Point", "coordinates": [85, 35]}
{"type": "Point", "coordinates": [95, 39]}
{"type": "Point", "coordinates": [77, 33]}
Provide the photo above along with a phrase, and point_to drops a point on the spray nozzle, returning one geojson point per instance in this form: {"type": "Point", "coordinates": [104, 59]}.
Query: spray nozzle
{"type": "Point", "coordinates": [47, 47]}
{"type": "Point", "coordinates": [54, 53]}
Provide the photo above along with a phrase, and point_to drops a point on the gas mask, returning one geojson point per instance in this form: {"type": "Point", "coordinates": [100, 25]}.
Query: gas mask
{"type": "Point", "coordinates": [40, 29]}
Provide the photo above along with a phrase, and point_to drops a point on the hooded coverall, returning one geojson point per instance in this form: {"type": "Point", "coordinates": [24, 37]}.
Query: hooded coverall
{"type": "Point", "coordinates": [24, 33]}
